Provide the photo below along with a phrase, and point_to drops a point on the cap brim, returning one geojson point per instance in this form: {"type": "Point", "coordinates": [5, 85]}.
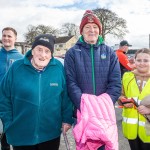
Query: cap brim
{"type": "Point", "coordinates": [129, 45]}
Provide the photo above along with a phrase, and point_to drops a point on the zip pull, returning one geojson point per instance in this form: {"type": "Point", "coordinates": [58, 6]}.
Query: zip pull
{"type": "Point", "coordinates": [93, 70]}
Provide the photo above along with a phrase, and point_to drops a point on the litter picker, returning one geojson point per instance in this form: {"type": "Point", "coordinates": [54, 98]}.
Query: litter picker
{"type": "Point", "coordinates": [66, 141]}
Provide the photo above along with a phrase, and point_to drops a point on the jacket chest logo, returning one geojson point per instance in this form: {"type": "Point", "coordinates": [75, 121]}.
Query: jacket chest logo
{"type": "Point", "coordinates": [53, 84]}
{"type": "Point", "coordinates": [103, 56]}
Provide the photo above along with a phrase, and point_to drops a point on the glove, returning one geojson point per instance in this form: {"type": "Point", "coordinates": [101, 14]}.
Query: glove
{"type": "Point", "coordinates": [125, 100]}
{"type": "Point", "coordinates": [128, 103]}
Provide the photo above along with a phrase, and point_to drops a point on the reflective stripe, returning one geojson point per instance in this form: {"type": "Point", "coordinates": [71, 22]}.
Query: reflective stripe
{"type": "Point", "coordinates": [141, 123]}
{"type": "Point", "coordinates": [130, 120]}
{"type": "Point", "coordinates": [133, 121]}
{"type": "Point", "coordinates": [138, 101]}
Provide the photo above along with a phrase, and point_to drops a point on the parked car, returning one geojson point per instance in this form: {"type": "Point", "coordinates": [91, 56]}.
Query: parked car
{"type": "Point", "coordinates": [60, 59]}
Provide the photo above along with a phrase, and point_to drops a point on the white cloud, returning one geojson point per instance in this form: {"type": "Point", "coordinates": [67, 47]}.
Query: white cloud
{"type": "Point", "coordinates": [19, 14]}
{"type": "Point", "coordinates": [137, 14]}
{"type": "Point", "coordinates": [21, 17]}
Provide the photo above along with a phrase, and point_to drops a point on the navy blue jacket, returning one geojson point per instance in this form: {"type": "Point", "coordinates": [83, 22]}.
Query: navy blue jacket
{"type": "Point", "coordinates": [92, 69]}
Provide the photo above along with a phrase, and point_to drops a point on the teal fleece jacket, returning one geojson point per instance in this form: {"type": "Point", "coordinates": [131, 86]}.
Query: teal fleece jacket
{"type": "Point", "coordinates": [7, 58]}
{"type": "Point", "coordinates": [33, 104]}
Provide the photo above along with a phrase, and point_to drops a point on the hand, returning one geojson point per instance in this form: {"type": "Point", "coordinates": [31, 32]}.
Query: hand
{"type": "Point", "coordinates": [143, 110]}
{"type": "Point", "coordinates": [128, 105]}
{"type": "Point", "coordinates": [126, 102]}
{"type": "Point", "coordinates": [132, 66]}
{"type": "Point", "coordinates": [131, 60]}
{"type": "Point", "coordinates": [120, 100]}
{"type": "Point", "coordinates": [65, 127]}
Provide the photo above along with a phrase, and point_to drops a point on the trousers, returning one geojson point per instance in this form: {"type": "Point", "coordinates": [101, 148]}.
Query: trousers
{"type": "Point", "coordinates": [137, 144]}
{"type": "Point", "coordinates": [48, 145]}
{"type": "Point", "coordinates": [4, 144]}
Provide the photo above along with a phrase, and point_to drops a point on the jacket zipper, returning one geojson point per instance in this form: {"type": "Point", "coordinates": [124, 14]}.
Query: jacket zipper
{"type": "Point", "coordinates": [93, 70]}
{"type": "Point", "coordinates": [39, 103]}
{"type": "Point", "coordinates": [7, 62]}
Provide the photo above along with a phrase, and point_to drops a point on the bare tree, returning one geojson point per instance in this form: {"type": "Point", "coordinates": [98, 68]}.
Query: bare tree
{"type": "Point", "coordinates": [70, 29]}
{"type": "Point", "coordinates": [42, 29]}
{"type": "Point", "coordinates": [111, 23]}
{"type": "Point", "coordinates": [31, 34]}
{"type": "Point", "coordinates": [34, 31]}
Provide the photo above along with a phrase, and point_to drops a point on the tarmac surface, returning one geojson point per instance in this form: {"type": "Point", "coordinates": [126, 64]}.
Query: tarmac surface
{"type": "Point", "coordinates": [123, 143]}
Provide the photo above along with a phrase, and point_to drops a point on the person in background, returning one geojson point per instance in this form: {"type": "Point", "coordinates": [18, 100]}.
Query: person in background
{"type": "Point", "coordinates": [135, 87]}
{"type": "Point", "coordinates": [125, 63]}
{"type": "Point", "coordinates": [34, 104]}
{"type": "Point", "coordinates": [8, 54]}
{"type": "Point", "coordinates": [91, 66]}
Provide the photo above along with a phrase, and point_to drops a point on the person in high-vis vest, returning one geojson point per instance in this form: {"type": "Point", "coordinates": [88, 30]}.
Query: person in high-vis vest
{"type": "Point", "coordinates": [136, 86]}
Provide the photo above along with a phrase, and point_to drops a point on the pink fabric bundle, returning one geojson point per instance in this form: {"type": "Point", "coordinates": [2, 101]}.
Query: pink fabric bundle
{"type": "Point", "coordinates": [96, 123]}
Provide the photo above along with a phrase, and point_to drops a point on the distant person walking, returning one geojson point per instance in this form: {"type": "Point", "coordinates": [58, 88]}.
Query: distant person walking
{"type": "Point", "coordinates": [125, 63]}
{"type": "Point", "coordinates": [136, 87]}
{"type": "Point", "coordinates": [8, 54]}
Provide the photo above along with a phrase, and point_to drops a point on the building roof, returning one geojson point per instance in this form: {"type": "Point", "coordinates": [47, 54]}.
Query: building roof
{"type": "Point", "coordinates": [63, 39]}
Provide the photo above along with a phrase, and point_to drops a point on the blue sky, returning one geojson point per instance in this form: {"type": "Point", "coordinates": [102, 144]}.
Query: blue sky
{"type": "Point", "coordinates": [20, 13]}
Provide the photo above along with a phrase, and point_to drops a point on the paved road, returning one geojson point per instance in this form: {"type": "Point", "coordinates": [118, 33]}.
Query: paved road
{"type": "Point", "coordinates": [123, 144]}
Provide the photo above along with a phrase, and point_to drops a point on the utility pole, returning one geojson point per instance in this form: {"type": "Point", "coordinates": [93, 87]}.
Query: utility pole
{"type": "Point", "coordinates": [149, 41]}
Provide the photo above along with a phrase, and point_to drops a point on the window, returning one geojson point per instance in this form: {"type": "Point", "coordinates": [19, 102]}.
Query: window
{"type": "Point", "coordinates": [60, 45]}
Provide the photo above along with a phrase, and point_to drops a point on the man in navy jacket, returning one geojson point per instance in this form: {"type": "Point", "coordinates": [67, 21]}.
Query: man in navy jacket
{"type": "Point", "coordinates": [91, 66]}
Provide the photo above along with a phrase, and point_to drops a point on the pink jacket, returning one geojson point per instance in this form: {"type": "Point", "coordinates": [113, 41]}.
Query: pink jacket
{"type": "Point", "coordinates": [96, 124]}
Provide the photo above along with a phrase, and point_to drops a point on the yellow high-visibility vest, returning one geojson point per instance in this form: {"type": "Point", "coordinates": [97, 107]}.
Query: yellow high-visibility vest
{"type": "Point", "coordinates": [133, 123]}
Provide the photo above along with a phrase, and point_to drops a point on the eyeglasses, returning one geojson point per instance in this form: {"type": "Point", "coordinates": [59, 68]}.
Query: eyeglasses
{"type": "Point", "coordinates": [142, 60]}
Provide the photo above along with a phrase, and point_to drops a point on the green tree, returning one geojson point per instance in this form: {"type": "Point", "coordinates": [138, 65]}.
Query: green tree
{"type": "Point", "coordinates": [111, 23]}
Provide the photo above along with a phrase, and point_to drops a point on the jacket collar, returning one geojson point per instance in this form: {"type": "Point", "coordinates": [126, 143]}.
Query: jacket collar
{"type": "Point", "coordinates": [99, 41]}
{"type": "Point", "coordinates": [28, 56]}
{"type": "Point", "coordinates": [11, 51]}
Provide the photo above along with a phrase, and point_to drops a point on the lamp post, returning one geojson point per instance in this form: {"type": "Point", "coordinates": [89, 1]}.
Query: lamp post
{"type": "Point", "coordinates": [149, 40]}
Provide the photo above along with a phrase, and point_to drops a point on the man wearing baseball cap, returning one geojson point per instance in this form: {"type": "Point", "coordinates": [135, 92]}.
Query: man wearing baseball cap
{"type": "Point", "coordinates": [125, 64]}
